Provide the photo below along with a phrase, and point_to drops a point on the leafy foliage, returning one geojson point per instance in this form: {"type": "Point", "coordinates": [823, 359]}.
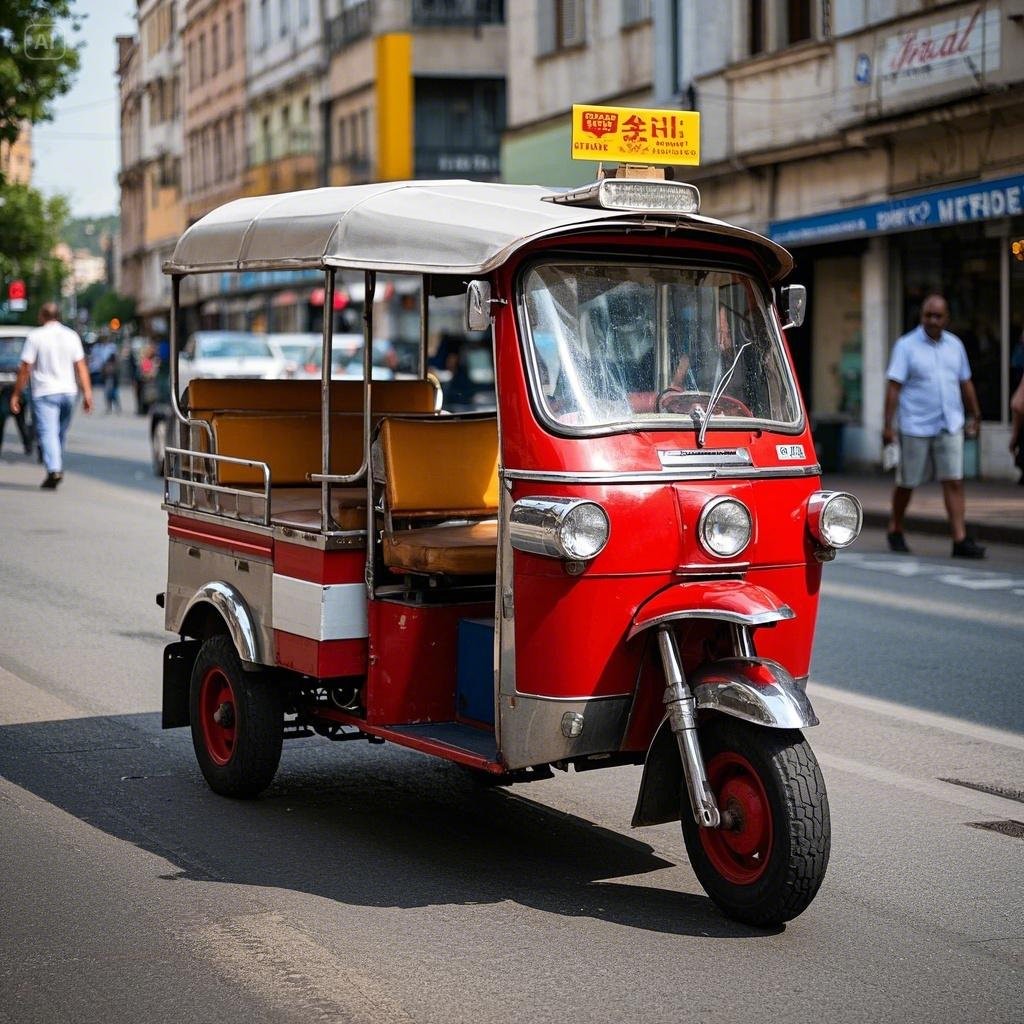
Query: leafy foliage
{"type": "Point", "coordinates": [37, 60]}
{"type": "Point", "coordinates": [30, 227]}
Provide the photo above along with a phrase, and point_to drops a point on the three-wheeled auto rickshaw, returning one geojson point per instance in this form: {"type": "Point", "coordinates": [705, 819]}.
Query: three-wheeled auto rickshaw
{"type": "Point", "coordinates": [619, 566]}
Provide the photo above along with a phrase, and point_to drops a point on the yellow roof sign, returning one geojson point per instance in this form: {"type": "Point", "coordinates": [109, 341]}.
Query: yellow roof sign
{"type": "Point", "coordinates": [635, 135]}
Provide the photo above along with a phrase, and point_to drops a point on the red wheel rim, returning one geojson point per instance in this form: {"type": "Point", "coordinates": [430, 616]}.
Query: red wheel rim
{"type": "Point", "coordinates": [217, 715]}
{"type": "Point", "coordinates": [741, 851]}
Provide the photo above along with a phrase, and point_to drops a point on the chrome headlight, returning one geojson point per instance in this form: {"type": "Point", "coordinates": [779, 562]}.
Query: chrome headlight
{"type": "Point", "coordinates": [724, 527]}
{"type": "Point", "coordinates": [834, 518]}
{"type": "Point", "coordinates": [570, 528]}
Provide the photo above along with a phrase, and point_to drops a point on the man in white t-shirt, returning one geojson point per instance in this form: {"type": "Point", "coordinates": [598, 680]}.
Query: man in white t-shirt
{"type": "Point", "coordinates": [52, 358]}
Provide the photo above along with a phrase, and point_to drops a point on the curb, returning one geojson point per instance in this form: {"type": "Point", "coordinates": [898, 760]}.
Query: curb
{"type": "Point", "coordinates": [996, 533]}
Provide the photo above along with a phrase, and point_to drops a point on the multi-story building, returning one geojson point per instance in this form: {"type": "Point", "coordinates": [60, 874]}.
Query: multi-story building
{"type": "Point", "coordinates": [562, 52]}
{"type": "Point", "coordinates": [214, 159]}
{"type": "Point", "coordinates": [128, 272]}
{"type": "Point", "coordinates": [883, 143]}
{"type": "Point", "coordinates": [415, 89]}
{"type": "Point", "coordinates": [285, 65]}
{"type": "Point", "coordinates": [160, 152]}
{"type": "Point", "coordinates": [16, 158]}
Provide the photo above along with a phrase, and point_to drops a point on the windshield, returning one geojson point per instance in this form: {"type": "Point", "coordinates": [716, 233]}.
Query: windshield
{"type": "Point", "coordinates": [652, 345]}
{"type": "Point", "coordinates": [240, 346]}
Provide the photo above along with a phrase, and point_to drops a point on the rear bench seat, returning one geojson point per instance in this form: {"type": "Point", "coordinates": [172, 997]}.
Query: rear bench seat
{"type": "Point", "coordinates": [278, 422]}
{"type": "Point", "coordinates": [436, 470]}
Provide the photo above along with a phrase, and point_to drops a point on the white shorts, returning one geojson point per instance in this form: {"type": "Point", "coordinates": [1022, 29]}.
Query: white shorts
{"type": "Point", "coordinates": [930, 458]}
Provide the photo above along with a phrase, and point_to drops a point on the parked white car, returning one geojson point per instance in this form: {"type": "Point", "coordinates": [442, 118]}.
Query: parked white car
{"type": "Point", "coordinates": [347, 358]}
{"type": "Point", "coordinates": [229, 354]}
{"type": "Point", "coordinates": [292, 349]}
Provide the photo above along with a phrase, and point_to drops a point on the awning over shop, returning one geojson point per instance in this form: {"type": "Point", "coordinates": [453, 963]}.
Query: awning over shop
{"type": "Point", "coordinates": [985, 200]}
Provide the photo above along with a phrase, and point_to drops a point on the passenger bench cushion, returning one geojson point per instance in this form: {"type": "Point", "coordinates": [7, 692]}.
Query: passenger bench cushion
{"type": "Point", "coordinates": [464, 550]}
{"type": "Point", "coordinates": [436, 469]}
{"type": "Point", "coordinates": [441, 467]}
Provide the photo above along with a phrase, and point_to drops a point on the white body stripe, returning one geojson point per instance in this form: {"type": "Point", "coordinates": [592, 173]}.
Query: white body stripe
{"type": "Point", "coordinates": [333, 612]}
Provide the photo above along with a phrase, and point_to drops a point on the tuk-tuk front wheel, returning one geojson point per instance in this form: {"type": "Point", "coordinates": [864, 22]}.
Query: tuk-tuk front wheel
{"type": "Point", "coordinates": [237, 721]}
{"type": "Point", "coordinates": [766, 862]}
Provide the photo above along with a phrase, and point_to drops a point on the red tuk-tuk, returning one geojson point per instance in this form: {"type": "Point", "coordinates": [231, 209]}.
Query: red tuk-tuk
{"type": "Point", "coordinates": [619, 566]}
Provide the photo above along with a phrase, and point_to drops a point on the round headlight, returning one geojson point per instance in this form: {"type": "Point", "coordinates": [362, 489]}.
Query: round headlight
{"type": "Point", "coordinates": [584, 531]}
{"type": "Point", "coordinates": [724, 528]}
{"type": "Point", "coordinates": [835, 518]}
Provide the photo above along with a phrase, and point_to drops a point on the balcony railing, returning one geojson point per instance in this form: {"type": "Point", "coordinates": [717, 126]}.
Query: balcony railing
{"type": "Point", "coordinates": [457, 12]}
{"type": "Point", "coordinates": [353, 23]}
{"type": "Point", "coordinates": [277, 145]}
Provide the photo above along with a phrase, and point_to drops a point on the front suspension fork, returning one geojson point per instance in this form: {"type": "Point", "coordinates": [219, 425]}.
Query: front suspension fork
{"type": "Point", "coordinates": [682, 717]}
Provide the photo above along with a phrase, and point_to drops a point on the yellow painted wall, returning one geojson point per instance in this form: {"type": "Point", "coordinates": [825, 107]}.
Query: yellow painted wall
{"type": "Point", "coordinates": [394, 107]}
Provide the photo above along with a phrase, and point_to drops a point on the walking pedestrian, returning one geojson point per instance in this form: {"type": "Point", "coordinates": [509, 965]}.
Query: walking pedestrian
{"type": "Point", "coordinates": [51, 358]}
{"type": "Point", "coordinates": [112, 383]}
{"type": "Point", "coordinates": [929, 381]}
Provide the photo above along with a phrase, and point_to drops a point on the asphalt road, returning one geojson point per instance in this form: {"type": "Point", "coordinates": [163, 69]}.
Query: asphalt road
{"type": "Point", "coordinates": [374, 884]}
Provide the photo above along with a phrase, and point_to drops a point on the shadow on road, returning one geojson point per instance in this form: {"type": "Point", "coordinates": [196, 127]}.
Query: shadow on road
{"type": "Point", "coordinates": [349, 823]}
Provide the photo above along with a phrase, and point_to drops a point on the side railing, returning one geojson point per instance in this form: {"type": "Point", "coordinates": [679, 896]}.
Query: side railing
{"type": "Point", "coordinates": [189, 483]}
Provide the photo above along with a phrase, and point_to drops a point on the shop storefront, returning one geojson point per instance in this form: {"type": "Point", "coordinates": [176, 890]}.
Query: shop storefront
{"type": "Point", "coordinates": [966, 242]}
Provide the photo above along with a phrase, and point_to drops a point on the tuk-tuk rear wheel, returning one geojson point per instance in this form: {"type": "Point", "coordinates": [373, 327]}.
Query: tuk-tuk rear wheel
{"type": "Point", "coordinates": [237, 721]}
{"type": "Point", "coordinates": [768, 860]}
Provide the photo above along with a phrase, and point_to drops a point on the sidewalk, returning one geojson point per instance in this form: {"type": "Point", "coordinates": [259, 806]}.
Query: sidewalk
{"type": "Point", "coordinates": [995, 508]}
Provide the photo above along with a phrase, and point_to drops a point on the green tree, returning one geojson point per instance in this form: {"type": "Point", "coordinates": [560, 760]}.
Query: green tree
{"type": "Point", "coordinates": [30, 227]}
{"type": "Point", "coordinates": [111, 305]}
{"type": "Point", "coordinates": [37, 60]}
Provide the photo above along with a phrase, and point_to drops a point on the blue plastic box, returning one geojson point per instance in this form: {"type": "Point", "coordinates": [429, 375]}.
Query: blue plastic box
{"type": "Point", "coordinates": [474, 688]}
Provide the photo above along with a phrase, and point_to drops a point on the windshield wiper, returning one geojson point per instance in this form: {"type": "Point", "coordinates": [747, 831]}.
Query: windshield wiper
{"type": "Point", "coordinates": [717, 394]}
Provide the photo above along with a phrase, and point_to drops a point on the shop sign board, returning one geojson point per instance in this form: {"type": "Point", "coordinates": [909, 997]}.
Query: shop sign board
{"type": "Point", "coordinates": [986, 200]}
{"type": "Point", "coordinates": [953, 48]}
{"type": "Point", "coordinates": [635, 135]}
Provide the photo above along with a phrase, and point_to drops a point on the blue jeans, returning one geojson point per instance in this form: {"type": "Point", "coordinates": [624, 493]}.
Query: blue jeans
{"type": "Point", "coordinates": [53, 417]}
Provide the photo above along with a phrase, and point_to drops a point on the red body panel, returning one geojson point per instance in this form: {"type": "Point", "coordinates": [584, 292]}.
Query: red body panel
{"type": "Point", "coordinates": [243, 543]}
{"type": "Point", "coordinates": [323, 659]}
{"type": "Point", "coordinates": [413, 655]}
{"type": "Point", "coordinates": [306, 563]}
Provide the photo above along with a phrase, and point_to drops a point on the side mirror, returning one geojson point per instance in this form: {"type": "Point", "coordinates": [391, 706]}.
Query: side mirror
{"type": "Point", "coordinates": [793, 305]}
{"type": "Point", "coordinates": [478, 306]}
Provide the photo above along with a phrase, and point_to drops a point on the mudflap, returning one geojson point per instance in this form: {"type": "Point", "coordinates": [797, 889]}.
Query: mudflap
{"type": "Point", "coordinates": [178, 661]}
{"type": "Point", "coordinates": [659, 798]}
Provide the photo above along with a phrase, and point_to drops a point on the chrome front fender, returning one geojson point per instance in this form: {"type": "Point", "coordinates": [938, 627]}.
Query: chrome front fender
{"type": "Point", "coordinates": [232, 608]}
{"type": "Point", "coordinates": [757, 690]}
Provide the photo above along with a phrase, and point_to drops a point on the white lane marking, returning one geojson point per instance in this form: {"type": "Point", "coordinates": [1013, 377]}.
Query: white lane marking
{"type": "Point", "coordinates": [915, 716]}
{"type": "Point", "coordinates": [905, 603]}
{"type": "Point", "coordinates": [975, 802]}
{"type": "Point", "coordinates": [977, 579]}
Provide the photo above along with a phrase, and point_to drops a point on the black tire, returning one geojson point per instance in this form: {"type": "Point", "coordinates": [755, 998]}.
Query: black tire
{"type": "Point", "coordinates": [157, 445]}
{"type": "Point", "coordinates": [769, 865]}
{"type": "Point", "coordinates": [237, 721]}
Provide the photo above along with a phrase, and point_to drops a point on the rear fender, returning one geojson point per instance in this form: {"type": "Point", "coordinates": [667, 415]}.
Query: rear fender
{"type": "Point", "coordinates": [232, 608]}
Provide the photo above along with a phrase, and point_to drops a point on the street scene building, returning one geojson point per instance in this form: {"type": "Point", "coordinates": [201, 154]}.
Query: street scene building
{"type": "Point", "coordinates": [881, 143]}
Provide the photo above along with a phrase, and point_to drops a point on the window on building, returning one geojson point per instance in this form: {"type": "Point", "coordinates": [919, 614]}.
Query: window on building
{"type": "Point", "coordinates": [458, 126]}
{"type": "Point", "coordinates": [263, 35]}
{"type": "Point", "coordinates": [229, 40]}
{"type": "Point", "coordinates": [635, 12]}
{"type": "Point", "coordinates": [560, 25]}
{"type": "Point", "coordinates": [284, 17]}
{"type": "Point", "coordinates": [266, 137]}
{"type": "Point", "coordinates": [214, 50]}
{"type": "Point", "coordinates": [798, 21]}
{"type": "Point", "coordinates": [202, 58]}
{"type": "Point", "coordinates": [218, 152]}
{"type": "Point", "coordinates": [304, 13]}
{"type": "Point", "coordinates": [756, 42]}
{"type": "Point", "coordinates": [343, 143]}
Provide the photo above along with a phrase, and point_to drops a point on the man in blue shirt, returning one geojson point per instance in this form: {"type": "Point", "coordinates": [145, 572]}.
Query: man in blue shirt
{"type": "Point", "coordinates": [930, 384]}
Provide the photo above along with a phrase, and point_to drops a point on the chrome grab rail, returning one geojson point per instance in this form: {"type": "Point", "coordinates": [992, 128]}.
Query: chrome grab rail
{"type": "Point", "coordinates": [190, 485]}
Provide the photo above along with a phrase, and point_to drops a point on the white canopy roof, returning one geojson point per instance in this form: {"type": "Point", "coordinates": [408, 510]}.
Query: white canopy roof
{"type": "Point", "coordinates": [424, 227]}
